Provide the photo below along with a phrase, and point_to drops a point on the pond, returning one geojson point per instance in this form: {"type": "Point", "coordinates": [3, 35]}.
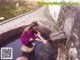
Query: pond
{"type": "Point", "coordinates": [16, 45]}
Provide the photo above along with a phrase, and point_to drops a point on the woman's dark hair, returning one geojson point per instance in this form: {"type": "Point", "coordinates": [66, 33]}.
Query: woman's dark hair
{"type": "Point", "coordinates": [34, 32]}
{"type": "Point", "coordinates": [33, 24]}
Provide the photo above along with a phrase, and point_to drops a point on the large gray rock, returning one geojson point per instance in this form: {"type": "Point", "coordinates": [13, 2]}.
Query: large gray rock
{"type": "Point", "coordinates": [43, 52]}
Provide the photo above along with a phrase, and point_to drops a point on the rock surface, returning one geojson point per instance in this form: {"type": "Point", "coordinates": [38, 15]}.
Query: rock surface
{"type": "Point", "coordinates": [70, 20]}
{"type": "Point", "coordinates": [43, 52]}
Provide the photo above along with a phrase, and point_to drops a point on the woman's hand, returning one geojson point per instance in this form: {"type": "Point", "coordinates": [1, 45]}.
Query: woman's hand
{"type": "Point", "coordinates": [39, 33]}
{"type": "Point", "coordinates": [44, 41]}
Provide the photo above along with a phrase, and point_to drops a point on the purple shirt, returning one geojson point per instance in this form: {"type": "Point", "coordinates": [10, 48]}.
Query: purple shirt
{"type": "Point", "coordinates": [26, 37]}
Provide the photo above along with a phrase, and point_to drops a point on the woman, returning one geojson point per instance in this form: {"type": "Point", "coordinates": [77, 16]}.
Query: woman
{"type": "Point", "coordinates": [29, 33]}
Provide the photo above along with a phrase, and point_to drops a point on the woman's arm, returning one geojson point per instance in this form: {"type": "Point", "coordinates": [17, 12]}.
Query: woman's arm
{"type": "Point", "coordinates": [40, 38]}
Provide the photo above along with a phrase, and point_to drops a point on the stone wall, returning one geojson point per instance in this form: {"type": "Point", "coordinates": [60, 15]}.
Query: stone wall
{"type": "Point", "coordinates": [69, 22]}
{"type": "Point", "coordinates": [7, 36]}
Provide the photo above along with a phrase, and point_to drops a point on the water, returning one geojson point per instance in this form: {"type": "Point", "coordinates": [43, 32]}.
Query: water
{"type": "Point", "coordinates": [16, 45]}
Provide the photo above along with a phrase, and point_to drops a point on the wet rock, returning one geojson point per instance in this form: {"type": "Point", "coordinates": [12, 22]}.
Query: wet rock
{"type": "Point", "coordinates": [43, 52]}
{"type": "Point", "coordinates": [59, 35]}
{"type": "Point", "coordinates": [42, 29]}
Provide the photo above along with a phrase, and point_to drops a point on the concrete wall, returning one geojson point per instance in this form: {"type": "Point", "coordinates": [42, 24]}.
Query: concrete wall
{"type": "Point", "coordinates": [6, 36]}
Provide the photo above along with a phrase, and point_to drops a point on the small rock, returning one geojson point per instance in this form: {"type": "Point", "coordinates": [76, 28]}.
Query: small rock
{"type": "Point", "coordinates": [1, 18]}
